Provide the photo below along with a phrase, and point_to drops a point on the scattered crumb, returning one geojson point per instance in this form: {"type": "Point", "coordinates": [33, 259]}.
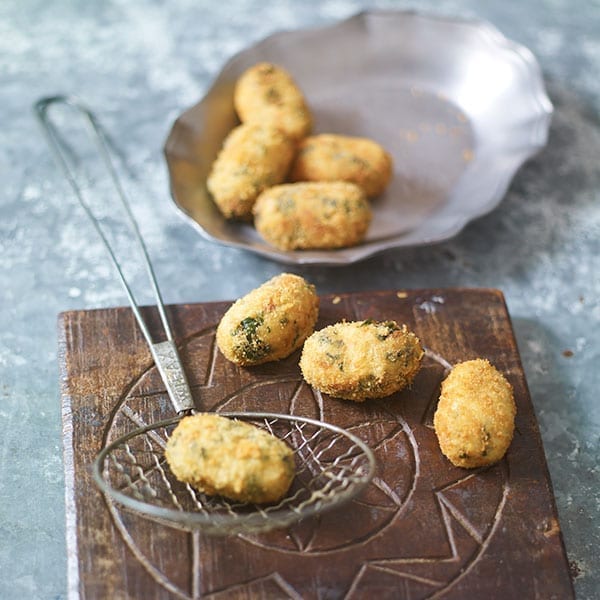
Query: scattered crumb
{"type": "Point", "coordinates": [467, 155]}
{"type": "Point", "coordinates": [574, 569]}
{"type": "Point", "coordinates": [411, 136]}
{"type": "Point", "coordinates": [336, 300]}
{"type": "Point", "coordinates": [441, 129]}
{"type": "Point", "coordinates": [449, 254]}
{"type": "Point", "coordinates": [402, 294]}
{"type": "Point", "coordinates": [567, 353]}
{"type": "Point", "coordinates": [551, 528]}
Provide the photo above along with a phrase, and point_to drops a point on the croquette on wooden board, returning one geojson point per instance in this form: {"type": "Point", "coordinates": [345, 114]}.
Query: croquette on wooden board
{"type": "Point", "coordinates": [361, 360]}
{"type": "Point", "coordinates": [217, 455]}
{"type": "Point", "coordinates": [475, 416]}
{"type": "Point", "coordinates": [270, 322]}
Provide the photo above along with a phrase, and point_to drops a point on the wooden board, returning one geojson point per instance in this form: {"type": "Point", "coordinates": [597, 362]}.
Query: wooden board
{"type": "Point", "coordinates": [423, 529]}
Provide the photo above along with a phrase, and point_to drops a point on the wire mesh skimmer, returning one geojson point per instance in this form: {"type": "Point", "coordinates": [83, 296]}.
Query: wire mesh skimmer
{"type": "Point", "coordinates": [332, 464]}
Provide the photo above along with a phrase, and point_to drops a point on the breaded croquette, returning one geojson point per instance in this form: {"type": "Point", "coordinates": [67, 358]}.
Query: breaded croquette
{"type": "Point", "coordinates": [253, 158]}
{"type": "Point", "coordinates": [474, 420]}
{"type": "Point", "coordinates": [267, 93]}
{"type": "Point", "coordinates": [312, 215]}
{"type": "Point", "coordinates": [361, 359]}
{"type": "Point", "coordinates": [234, 459]}
{"type": "Point", "coordinates": [270, 322]}
{"type": "Point", "coordinates": [329, 157]}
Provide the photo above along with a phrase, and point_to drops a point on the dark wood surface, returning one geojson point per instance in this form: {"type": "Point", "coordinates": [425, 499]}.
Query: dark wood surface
{"type": "Point", "coordinates": [423, 529]}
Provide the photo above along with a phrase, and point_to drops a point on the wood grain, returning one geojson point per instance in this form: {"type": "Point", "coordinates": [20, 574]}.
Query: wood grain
{"type": "Point", "coordinates": [423, 529]}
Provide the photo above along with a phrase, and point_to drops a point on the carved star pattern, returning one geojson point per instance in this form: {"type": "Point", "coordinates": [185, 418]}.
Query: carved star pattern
{"type": "Point", "coordinates": [404, 491]}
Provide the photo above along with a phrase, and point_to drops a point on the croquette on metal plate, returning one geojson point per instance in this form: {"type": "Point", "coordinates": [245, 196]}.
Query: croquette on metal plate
{"type": "Point", "coordinates": [329, 157]}
{"type": "Point", "coordinates": [267, 93]}
{"type": "Point", "coordinates": [253, 158]}
{"type": "Point", "coordinates": [312, 215]}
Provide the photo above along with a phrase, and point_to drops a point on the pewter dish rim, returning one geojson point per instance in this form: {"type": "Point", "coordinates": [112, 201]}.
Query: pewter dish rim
{"type": "Point", "coordinates": [500, 165]}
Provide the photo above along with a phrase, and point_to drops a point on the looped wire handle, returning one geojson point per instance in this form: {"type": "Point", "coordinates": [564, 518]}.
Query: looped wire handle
{"type": "Point", "coordinates": [165, 353]}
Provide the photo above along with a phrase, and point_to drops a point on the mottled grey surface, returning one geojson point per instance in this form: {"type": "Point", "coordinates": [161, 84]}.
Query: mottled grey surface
{"type": "Point", "coordinates": [139, 63]}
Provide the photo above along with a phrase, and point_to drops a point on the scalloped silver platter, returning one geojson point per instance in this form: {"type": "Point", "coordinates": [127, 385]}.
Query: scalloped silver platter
{"type": "Point", "coordinates": [459, 107]}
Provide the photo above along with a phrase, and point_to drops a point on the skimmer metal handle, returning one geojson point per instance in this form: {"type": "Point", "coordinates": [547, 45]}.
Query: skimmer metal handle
{"type": "Point", "coordinates": [165, 353]}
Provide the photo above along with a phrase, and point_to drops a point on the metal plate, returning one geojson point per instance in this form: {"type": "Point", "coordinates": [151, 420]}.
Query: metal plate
{"type": "Point", "coordinates": [459, 107]}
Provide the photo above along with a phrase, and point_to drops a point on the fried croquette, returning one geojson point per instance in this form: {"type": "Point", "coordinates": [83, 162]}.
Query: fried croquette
{"type": "Point", "coordinates": [253, 158]}
{"type": "Point", "coordinates": [221, 456]}
{"type": "Point", "coordinates": [361, 359]}
{"type": "Point", "coordinates": [267, 93]}
{"type": "Point", "coordinates": [329, 157]}
{"type": "Point", "coordinates": [474, 420]}
{"type": "Point", "coordinates": [312, 215]}
{"type": "Point", "coordinates": [270, 322]}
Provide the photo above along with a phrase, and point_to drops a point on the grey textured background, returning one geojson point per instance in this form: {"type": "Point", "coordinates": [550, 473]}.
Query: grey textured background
{"type": "Point", "coordinates": [139, 63]}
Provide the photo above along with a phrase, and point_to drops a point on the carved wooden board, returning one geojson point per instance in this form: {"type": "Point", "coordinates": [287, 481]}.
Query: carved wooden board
{"type": "Point", "coordinates": [423, 529]}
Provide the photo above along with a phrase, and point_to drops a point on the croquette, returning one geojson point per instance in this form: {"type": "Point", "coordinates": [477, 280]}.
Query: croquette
{"type": "Point", "coordinates": [358, 360]}
{"type": "Point", "coordinates": [329, 157]}
{"type": "Point", "coordinates": [253, 158]}
{"type": "Point", "coordinates": [267, 93]}
{"type": "Point", "coordinates": [270, 322]}
{"type": "Point", "coordinates": [234, 459]}
{"type": "Point", "coordinates": [474, 419]}
{"type": "Point", "coordinates": [312, 215]}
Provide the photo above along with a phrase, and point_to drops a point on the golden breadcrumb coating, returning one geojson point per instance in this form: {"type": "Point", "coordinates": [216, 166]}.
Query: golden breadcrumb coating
{"type": "Point", "coordinates": [312, 215]}
{"type": "Point", "coordinates": [254, 157]}
{"type": "Point", "coordinates": [329, 157]}
{"type": "Point", "coordinates": [474, 420]}
{"type": "Point", "coordinates": [270, 322]}
{"type": "Point", "coordinates": [221, 456]}
{"type": "Point", "coordinates": [358, 360]}
{"type": "Point", "coordinates": [267, 93]}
